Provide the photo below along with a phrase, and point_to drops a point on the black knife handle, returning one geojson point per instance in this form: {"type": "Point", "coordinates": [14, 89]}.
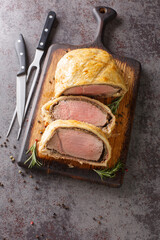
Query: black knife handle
{"type": "Point", "coordinates": [21, 52]}
{"type": "Point", "coordinates": [46, 30]}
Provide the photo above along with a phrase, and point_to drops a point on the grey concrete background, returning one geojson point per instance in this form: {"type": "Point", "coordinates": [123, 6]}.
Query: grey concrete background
{"type": "Point", "coordinates": [90, 211]}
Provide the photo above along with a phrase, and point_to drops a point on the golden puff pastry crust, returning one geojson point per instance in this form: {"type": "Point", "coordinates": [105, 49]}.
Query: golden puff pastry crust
{"type": "Point", "coordinates": [48, 117]}
{"type": "Point", "coordinates": [88, 66]}
{"type": "Point", "coordinates": [45, 153]}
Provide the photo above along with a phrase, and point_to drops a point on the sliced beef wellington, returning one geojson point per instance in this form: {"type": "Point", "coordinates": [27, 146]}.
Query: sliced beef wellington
{"type": "Point", "coordinates": [70, 141]}
{"type": "Point", "coordinates": [90, 72]}
{"type": "Point", "coordinates": [79, 108]}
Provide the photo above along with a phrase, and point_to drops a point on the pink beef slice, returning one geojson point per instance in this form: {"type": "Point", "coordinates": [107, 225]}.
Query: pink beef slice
{"type": "Point", "coordinates": [79, 110]}
{"type": "Point", "coordinates": [76, 143]}
{"type": "Point", "coordinates": [92, 90]}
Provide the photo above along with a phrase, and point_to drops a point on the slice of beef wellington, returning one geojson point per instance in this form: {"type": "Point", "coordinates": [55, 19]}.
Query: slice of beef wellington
{"type": "Point", "coordinates": [90, 72]}
{"type": "Point", "coordinates": [79, 108]}
{"type": "Point", "coordinates": [71, 142]}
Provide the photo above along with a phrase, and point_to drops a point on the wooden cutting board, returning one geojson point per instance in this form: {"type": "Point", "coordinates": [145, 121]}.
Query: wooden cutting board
{"type": "Point", "coordinates": [119, 140]}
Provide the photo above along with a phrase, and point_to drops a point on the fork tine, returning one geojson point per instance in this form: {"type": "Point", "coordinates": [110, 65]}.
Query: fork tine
{"type": "Point", "coordinates": [29, 71]}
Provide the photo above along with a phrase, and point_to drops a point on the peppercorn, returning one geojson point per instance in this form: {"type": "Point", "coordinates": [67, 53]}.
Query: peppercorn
{"type": "Point", "coordinates": [1, 184]}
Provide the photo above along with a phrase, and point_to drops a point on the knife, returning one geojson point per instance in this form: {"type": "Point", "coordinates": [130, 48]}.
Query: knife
{"type": "Point", "coordinates": [20, 82]}
{"type": "Point", "coordinates": [21, 79]}
{"type": "Point", "coordinates": [37, 59]}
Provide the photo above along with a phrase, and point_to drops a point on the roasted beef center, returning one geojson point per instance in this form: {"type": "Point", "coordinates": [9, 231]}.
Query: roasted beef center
{"type": "Point", "coordinates": [76, 143]}
{"type": "Point", "coordinates": [93, 90]}
{"type": "Point", "coordinates": [81, 111]}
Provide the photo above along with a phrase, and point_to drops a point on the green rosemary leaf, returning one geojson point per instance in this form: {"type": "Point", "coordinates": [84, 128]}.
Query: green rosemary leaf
{"type": "Point", "coordinates": [28, 159]}
{"type": "Point", "coordinates": [111, 173]}
{"type": "Point", "coordinates": [115, 104]}
{"type": "Point", "coordinates": [29, 150]}
{"type": "Point", "coordinates": [34, 161]}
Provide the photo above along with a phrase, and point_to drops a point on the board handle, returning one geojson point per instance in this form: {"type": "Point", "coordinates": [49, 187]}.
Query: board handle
{"type": "Point", "coordinates": [103, 16]}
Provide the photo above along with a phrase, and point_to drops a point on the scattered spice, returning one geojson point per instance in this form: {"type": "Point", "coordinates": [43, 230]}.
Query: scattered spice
{"type": "Point", "coordinates": [39, 121]}
{"type": "Point", "coordinates": [24, 181]}
{"type": "Point", "coordinates": [100, 217]}
{"type": "Point", "coordinates": [7, 140]}
{"type": "Point", "coordinates": [36, 188]}
{"type": "Point", "coordinates": [64, 228]}
{"type": "Point", "coordinates": [31, 176]}
{"type": "Point", "coordinates": [20, 172]}
{"type": "Point", "coordinates": [94, 218]}
{"type": "Point", "coordinates": [1, 184]}
{"type": "Point", "coordinates": [10, 200]}
{"type": "Point", "coordinates": [5, 146]}
{"type": "Point", "coordinates": [50, 82]}
{"type": "Point", "coordinates": [5, 143]}
{"type": "Point", "coordinates": [42, 235]}
{"type": "Point", "coordinates": [0, 137]}
{"type": "Point", "coordinates": [54, 215]}
{"type": "Point", "coordinates": [12, 158]}
{"type": "Point", "coordinates": [41, 132]}
{"type": "Point", "coordinates": [99, 222]}
{"type": "Point", "coordinates": [32, 223]}
{"type": "Point", "coordinates": [14, 147]}
{"type": "Point", "coordinates": [37, 236]}
{"type": "Point", "coordinates": [126, 169]}
{"type": "Point", "coordinates": [1, 145]}
{"type": "Point", "coordinates": [53, 78]}
{"type": "Point", "coordinates": [120, 115]}
{"type": "Point", "coordinates": [65, 207]}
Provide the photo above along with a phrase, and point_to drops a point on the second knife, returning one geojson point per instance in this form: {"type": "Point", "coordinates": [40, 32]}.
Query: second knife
{"type": "Point", "coordinates": [21, 79]}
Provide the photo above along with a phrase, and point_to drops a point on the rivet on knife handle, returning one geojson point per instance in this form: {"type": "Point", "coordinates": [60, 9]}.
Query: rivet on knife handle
{"type": "Point", "coordinates": [46, 30]}
{"type": "Point", "coordinates": [20, 49]}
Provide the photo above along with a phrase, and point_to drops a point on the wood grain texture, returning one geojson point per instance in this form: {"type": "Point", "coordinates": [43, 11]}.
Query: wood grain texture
{"type": "Point", "coordinates": [119, 140]}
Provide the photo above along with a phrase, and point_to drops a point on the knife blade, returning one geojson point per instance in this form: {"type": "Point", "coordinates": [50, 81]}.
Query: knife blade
{"type": "Point", "coordinates": [37, 59]}
{"type": "Point", "coordinates": [21, 79]}
{"type": "Point", "coordinates": [20, 82]}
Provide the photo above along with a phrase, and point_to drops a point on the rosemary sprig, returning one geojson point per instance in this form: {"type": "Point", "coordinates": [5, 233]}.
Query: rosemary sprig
{"type": "Point", "coordinates": [115, 104]}
{"type": "Point", "coordinates": [33, 158]}
{"type": "Point", "coordinates": [111, 173]}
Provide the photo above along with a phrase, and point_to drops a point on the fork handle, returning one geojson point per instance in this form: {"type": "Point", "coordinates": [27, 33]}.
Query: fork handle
{"type": "Point", "coordinates": [46, 30]}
